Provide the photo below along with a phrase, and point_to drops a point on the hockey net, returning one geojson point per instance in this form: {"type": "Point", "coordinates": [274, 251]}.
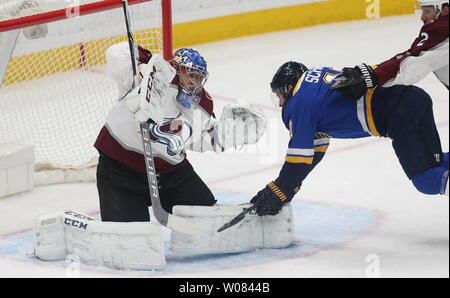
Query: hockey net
{"type": "Point", "coordinates": [54, 93]}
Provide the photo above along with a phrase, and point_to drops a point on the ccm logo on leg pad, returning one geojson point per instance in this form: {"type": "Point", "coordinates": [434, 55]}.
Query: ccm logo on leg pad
{"type": "Point", "coordinates": [75, 223]}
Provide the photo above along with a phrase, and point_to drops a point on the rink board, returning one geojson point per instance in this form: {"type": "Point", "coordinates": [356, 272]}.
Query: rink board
{"type": "Point", "coordinates": [317, 227]}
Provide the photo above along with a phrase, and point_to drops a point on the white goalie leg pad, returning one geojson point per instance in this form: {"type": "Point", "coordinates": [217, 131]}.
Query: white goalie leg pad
{"type": "Point", "coordinates": [131, 245]}
{"type": "Point", "coordinates": [278, 230]}
{"type": "Point", "coordinates": [50, 237]}
{"type": "Point", "coordinates": [252, 232]}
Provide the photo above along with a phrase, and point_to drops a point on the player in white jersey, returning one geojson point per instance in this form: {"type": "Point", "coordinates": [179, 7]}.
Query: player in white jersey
{"type": "Point", "coordinates": [428, 53]}
{"type": "Point", "coordinates": [188, 123]}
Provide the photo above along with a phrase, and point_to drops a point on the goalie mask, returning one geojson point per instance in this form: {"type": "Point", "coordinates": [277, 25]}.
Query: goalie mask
{"type": "Point", "coordinates": [192, 75]}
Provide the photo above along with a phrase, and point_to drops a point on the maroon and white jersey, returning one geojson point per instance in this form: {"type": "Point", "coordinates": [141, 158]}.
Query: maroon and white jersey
{"type": "Point", "coordinates": [428, 53]}
{"type": "Point", "coordinates": [183, 128]}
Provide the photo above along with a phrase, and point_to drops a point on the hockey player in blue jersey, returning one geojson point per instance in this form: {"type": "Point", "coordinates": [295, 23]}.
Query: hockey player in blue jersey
{"type": "Point", "coordinates": [314, 113]}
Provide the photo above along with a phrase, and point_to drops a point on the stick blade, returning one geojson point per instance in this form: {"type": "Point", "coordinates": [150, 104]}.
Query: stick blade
{"type": "Point", "coordinates": [231, 223]}
{"type": "Point", "coordinates": [238, 218]}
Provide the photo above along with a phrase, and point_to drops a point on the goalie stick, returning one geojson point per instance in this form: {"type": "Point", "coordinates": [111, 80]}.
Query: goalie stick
{"type": "Point", "coordinates": [162, 216]}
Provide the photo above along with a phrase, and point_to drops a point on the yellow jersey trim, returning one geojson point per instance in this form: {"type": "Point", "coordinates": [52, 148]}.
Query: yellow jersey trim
{"type": "Point", "coordinates": [369, 115]}
{"type": "Point", "coordinates": [299, 159]}
{"type": "Point", "coordinates": [298, 84]}
{"type": "Point", "coordinates": [321, 148]}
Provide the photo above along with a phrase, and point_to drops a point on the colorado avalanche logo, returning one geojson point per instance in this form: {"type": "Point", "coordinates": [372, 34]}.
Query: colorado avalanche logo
{"type": "Point", "coordinates": [170, 135]}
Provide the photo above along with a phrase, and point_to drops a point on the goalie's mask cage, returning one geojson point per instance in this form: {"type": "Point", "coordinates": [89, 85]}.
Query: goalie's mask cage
{"type": "Point", "coordinates": [54, 93]}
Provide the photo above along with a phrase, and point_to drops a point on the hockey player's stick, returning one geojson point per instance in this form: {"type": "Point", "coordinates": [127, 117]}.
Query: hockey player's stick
{"type": "Point", "coordinates": [168, 220]}
{"type": "Point", "coordinates": [162, 216]}
{"type": "Point", "coordinates": [237, 219]}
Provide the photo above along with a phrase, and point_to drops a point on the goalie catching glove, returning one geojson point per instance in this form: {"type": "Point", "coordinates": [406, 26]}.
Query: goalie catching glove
{"type": "Point", "coordinates": [354, 82]}
{"type": "Point", "coordinates": [146, 101]}
{"type": "Point", "coordinates": [240, 124]}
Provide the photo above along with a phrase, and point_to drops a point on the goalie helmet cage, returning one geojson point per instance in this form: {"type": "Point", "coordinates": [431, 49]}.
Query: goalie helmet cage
{"type": "Point", "coordinates": [54, 93]}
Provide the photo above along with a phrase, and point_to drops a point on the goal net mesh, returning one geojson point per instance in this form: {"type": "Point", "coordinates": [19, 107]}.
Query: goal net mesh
{"type": "Point", "coordinates": [55, 94]}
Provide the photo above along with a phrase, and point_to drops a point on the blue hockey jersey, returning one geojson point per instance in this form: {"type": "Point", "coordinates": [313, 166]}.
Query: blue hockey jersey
{"type": "Point", "coordinates": [314, 114]}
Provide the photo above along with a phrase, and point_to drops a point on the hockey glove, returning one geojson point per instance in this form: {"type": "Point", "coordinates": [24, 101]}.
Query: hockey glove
{"type": "Point", "coordinates": [354, 82]}
{"type": "Point", "coordinates": [240, 124]}
{"type": "Point", "coordinates": [270, 200]}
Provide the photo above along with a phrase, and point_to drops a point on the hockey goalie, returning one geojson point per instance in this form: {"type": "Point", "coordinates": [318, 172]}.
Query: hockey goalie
{"type": "Point", "coordinates": [171, 95]}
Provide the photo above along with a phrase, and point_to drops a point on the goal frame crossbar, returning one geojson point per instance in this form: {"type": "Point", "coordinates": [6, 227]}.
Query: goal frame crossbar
{"type": "Point", "coordinates": [86, 9]}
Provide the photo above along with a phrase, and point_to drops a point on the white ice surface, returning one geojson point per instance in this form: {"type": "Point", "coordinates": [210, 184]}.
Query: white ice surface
{"type": "Point", "coordinates": [410, 236]}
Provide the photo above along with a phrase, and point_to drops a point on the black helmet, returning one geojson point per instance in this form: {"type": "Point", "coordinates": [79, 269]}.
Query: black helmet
{"type": "Point", "coordinates": [288, 74]}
